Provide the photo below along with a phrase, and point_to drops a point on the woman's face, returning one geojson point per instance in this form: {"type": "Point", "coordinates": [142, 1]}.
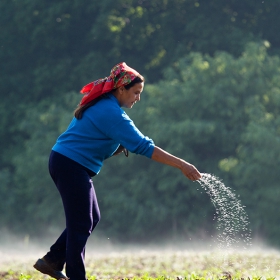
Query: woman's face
{"type": "Point", "coordinates": [128, 97]}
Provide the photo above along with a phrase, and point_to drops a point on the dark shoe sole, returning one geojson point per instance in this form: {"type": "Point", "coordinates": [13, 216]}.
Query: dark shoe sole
{"type": "Point", "coordinates": [44, 268]}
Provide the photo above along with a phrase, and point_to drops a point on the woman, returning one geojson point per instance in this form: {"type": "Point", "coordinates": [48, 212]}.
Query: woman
{"type": "Point", "coordinates": [99, 130]}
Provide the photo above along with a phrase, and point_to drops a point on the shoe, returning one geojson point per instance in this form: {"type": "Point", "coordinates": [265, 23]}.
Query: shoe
{"type": "Point", "coordinates": [45, 268]}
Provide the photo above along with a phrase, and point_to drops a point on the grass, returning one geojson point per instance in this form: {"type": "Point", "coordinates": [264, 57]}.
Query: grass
{"type": "Point", "coordinates": [163, 265]}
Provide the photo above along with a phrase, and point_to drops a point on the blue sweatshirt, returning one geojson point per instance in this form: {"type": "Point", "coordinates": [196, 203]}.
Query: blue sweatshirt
{"type": "Point", "coordinates": [97, 135]}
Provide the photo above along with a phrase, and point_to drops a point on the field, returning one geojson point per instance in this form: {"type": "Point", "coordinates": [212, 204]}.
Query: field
{"type": "Point", "coordinates": [164, 264]}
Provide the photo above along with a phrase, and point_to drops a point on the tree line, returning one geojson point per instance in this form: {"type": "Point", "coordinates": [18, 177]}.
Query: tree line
{"type": "Point", "coordinates": [212, 97]}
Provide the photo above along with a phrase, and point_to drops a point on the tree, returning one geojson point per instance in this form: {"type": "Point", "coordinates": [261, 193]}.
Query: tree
{"type": "Point", "coordinates": [50, 48]}
{"type": "Point", "coordinates": [201, 111]}
{"type": "Point", "coordinates": [32, 188]}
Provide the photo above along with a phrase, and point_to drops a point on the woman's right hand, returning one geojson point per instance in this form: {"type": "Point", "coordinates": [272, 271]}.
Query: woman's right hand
{"type": "Point", "coordinates": [190, 171]}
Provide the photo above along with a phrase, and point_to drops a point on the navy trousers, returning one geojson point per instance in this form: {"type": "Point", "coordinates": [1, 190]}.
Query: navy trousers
{"type": "Point", "coordinates": [75, 186]}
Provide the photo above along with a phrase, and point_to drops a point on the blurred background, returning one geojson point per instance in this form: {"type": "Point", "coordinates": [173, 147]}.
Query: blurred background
{"type": "Point", "coordinates": [212, 97]}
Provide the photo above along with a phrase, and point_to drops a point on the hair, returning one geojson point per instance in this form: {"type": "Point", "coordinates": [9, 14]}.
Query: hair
{"type": "Point", "coordinates": [78, 113]}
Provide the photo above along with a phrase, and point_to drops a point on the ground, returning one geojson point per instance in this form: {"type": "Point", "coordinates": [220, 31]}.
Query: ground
{"type": "Point", "coordinates": [161, 264]}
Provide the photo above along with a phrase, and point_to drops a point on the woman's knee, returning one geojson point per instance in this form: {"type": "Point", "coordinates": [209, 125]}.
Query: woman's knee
{"type": "Point", "coordinates": [95, 220]}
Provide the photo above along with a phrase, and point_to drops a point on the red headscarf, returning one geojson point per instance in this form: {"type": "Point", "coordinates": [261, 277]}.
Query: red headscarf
{"type": "Point", "coordinates": [121, 75]}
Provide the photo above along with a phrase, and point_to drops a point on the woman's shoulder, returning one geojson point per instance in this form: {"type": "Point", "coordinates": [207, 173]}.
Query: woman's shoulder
{"type": "Point", "coordinates": [107, 108]}
{"type": "Point", "coordinates": [108, 104]}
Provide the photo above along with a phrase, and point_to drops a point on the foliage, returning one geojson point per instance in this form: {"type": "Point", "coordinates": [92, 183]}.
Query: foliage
{"type": "Point", "coordinates": [32, 185]}
{"type": "Point", "coordinates": [208, 101]}
{"type": "Point", "coordinates": [201, 111]}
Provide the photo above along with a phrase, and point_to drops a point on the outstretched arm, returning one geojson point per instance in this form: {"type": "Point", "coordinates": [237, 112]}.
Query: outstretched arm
{"type": "Point", "coordinates": [187, 169]}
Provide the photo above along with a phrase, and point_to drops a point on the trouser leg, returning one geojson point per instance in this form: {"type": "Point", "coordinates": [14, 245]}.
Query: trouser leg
{"type": "Point", "coordinates": [81, 212]}
{"type": "Point", "coordinates": [57, 254]}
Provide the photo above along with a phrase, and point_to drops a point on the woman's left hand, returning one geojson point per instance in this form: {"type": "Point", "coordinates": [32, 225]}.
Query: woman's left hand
{"type": "Point", "coordinates": [120, 150]}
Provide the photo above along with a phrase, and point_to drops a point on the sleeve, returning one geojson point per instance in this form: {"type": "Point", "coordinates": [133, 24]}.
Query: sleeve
{"type": "Point", "coordinates": [129, 136]}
